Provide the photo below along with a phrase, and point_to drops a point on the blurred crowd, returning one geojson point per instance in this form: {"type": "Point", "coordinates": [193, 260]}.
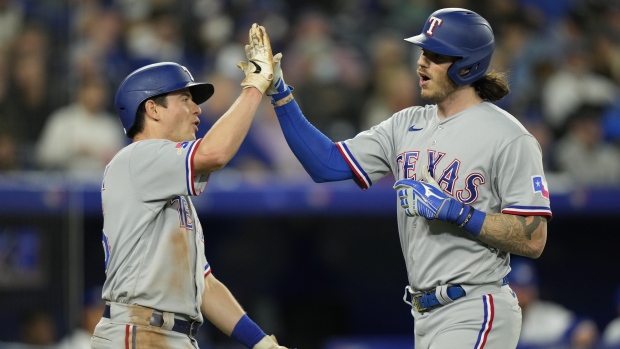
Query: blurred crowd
{"type": "Point", "coordinates": [61, 62]}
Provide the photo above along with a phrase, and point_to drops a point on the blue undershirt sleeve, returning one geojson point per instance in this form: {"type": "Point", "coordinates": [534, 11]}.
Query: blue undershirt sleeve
{"type": "Point", "coordinates": [315, 151]}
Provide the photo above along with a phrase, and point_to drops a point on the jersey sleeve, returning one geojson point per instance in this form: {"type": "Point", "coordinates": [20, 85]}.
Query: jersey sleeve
{"type": "Point", "coordinates": [368, 153]}
{"type": "Point", "coordinates": [207, 270]}
{"type": "Point", "coordinates": [521, 179]}
{"type": "Point", "coordinates": [162, 169]}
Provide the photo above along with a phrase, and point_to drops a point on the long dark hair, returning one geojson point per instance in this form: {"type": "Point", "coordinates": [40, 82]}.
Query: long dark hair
{"type": "Point", "coordinates": [492, 87]}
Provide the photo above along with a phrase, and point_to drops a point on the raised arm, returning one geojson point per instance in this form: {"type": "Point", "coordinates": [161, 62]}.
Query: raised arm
{"type": "Point", "coordinates": [223, 140]}
{"type": "Point", "coordinates": [316, 152]}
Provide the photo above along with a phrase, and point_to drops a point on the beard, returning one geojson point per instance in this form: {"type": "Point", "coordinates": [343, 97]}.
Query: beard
{"type": "Point", "coordinates": [442, 89]}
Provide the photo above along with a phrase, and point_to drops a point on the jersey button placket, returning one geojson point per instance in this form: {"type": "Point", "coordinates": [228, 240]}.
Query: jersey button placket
{"type": "Point", "coordinates": [440, 127]}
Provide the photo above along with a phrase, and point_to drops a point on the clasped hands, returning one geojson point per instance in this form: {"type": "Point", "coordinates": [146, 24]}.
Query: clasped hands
{"type": "Point", "coordinates": [262, 70]}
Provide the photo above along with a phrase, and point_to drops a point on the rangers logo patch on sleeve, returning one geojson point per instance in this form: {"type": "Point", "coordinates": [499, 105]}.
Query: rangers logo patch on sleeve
{"type": "Point", "coordinates": [540, 186]}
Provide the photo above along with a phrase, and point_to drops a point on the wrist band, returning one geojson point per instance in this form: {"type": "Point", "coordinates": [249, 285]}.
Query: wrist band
{"type": "Point", "coordinates": [469, 214]}
{"type": "Point", "coordinates": [247, 332]}
{"type": "Point", "coordinates": [475, 222]}
{"type": "Point", "coordinates": [282, 101]}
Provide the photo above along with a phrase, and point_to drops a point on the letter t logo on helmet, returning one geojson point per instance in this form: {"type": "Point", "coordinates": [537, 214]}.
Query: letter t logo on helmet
{"type": "Point", "coordinates": [434, 22]}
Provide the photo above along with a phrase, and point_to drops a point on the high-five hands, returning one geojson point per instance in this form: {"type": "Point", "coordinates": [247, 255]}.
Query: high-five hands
{"type": "Point", "coordinates": [279, 91]}
{"type": "Point", "coordinates": [428, 200]}
{"type": "Point", "coordinates": [259, 67]}
{"type": "Point", "coordinates": [277, 84]}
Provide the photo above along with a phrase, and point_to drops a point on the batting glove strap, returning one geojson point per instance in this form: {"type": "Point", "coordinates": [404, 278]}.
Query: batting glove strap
{"type": "Point", "coordinates": [281, 95]}
{"type": "Point", "coordinates": [474, 221]}
{"type": "Point", "coordinates": [452, 211]}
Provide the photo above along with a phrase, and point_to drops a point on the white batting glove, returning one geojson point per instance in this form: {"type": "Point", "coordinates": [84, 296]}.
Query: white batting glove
{"type": "Point", "coordinates": [277, 84]}
{"type": "Point", "coordinates": [268, 342]}
{"type": "Point", "coordinates": [259, 68]}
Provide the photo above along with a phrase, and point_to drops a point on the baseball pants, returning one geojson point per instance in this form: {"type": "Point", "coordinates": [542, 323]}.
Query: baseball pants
{"type": "Point", "coordinates": [129, 328]}
{"type": "Point", "coordinates": [488, 317]}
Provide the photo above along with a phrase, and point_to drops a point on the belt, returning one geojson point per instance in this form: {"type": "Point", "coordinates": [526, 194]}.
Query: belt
{"type": "Point", "coordinates": [189, 328]}
{"type": "Point", "coordinates": [427, 300]}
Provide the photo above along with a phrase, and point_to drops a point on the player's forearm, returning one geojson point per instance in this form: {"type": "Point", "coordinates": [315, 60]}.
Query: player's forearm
{"type": "Point", "coordinates": [219, 306]}
{"type": "Point", "coordinates": [520, 235]}
{"type": "Point", "coordinates": [223, 140]}
{"type": "Point", "coordinates": [314, 150]}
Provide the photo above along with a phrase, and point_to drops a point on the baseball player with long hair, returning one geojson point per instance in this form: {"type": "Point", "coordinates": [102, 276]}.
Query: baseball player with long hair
{"type": "Point", "coordinates": [159, 284]}
{"type": "Point", "coordinates": [469, 178]}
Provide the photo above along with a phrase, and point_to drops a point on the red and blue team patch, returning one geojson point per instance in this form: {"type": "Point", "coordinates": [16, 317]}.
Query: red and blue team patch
{"type": "Point", "coordinates": [182, 145]}
{"type": "Point", "coordinates": [540, 186]}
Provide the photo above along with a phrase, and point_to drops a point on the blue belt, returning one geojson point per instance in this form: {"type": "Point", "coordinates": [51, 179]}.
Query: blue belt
{"type": "Point", "coordinates": [157, 319]}
{"type": "Point", "coordinates": [427, 301]}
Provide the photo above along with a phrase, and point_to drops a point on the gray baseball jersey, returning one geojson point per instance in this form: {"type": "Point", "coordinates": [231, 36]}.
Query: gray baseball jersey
{"type": "Point", "coordinates": [153, 240]}
{"type": "Point", "coordinates": [481, 156]}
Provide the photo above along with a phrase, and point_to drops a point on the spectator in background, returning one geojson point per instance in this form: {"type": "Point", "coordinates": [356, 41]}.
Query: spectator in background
{"type": "Point", "coordinates": [393, 83]}
{"type": "Point", "coordinates": [92, 310]}
{"type": "Point", "coordinates": [82, 137]}
{"type": "Point", "coordinates": [611, 335]}
{"type": "Point", "coordinates": [96, 48]}
{"type": "Point", "coordinates": [582, 153]}
{"type": "Point", "coordinates": [546, 324]}
{"type": "Point", "coordinates": [8, 153]}
{"type": "Point", "coordinates": [32, 92]}
{"type": "Point", "coordinates": [11, 21]}
{"type": "Point", "coordinates": [37, 327]}
{"type": "Point", "coordinates": [158, 39]}
{"type": "Point", "coordinates": [329, 77]}
{"type": "Point", "coordinates": [571, 86]}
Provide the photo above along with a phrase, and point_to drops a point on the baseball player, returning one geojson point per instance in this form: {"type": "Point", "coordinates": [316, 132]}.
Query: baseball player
{"type": "Point", "coordinates": [158, 282]}
{"type": "Point", "coordinates": [469, 178]}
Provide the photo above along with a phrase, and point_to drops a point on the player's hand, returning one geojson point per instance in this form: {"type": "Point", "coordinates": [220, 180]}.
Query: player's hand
{"type": "Point", "coordinates": [278, 88]}
{"type": "Point", "coordinates": [407, 195]}
{"type": "Point", "coordinates": [259, 68]}
{"type": "Point", "coordinates": [428, 200]}
{"type": "Point", "coordinates": [268, 342]}
{"type": "Point", "coordinates": [428, 178]}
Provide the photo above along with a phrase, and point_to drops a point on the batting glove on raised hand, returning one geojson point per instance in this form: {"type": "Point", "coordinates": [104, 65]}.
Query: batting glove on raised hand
{"type": "Point", "coordinates": [428, 200]}
{"type": "Point", "coordinates": [278, 88]}
{"type": "Point", "coordinates": [259, 67]}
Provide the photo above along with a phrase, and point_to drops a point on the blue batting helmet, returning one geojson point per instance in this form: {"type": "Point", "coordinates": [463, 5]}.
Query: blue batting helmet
{"type": "Point", "coordinates": [459, 33]}
{"type": "Point", "coordinates": [152, 80]}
